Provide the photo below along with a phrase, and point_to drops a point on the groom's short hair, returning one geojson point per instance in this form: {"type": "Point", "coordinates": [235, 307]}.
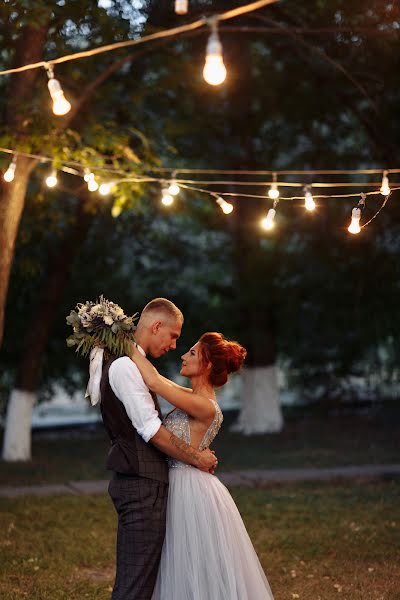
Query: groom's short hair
{"type": "Point", "coordinates": [164, 306]}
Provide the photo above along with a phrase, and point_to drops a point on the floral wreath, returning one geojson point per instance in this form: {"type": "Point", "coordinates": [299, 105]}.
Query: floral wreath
{"type": "Point", "coordinates": [101, 324]}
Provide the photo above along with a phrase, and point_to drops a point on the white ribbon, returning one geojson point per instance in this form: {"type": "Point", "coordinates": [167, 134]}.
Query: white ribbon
{"type": "Point", "coordinates": [95, 372]}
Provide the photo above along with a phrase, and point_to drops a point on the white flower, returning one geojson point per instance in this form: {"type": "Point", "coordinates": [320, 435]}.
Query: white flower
{"type": "Point", "coordinates": [108, 320]}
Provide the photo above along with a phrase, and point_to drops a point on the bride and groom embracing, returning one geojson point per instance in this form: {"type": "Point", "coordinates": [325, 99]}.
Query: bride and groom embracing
{"type": "Point", "coordinates": [180, 535]}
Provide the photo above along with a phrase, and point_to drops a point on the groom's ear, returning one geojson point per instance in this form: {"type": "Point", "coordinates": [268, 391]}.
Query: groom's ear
{"type": "Point", "coordinates": [156, 327]}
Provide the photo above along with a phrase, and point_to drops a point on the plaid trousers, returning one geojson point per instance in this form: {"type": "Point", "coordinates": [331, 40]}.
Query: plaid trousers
{"type": "Point", "coordinates": [141, 505]}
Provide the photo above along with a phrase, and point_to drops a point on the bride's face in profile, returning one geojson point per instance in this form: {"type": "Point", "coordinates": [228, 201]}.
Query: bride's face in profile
{"type": "Point", "coordinates": [191, 362]}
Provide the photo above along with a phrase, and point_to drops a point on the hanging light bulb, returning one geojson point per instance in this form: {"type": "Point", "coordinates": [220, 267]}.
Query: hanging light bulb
{"type": "Point", "coordinates": [309, 203]}
{"type": "Point", "coordinates": [10, 173]}
{"type": "Point", "coordinates": [354, 226]}
{"type": "Point", "coordinates": [61, 106]}
{"type": "Point", "coordinates": [268, 221]}
{"type": "Point", "coordinates": [385, 188]}
{"type": "Point", "coordinates": [181, 7]}
{"type": "Point", "coordinates": [89, 177]}
{"type": "Point", "coordinates": [226, 207]}
{"type": "Point", "coordinates": [166, 197]}
{"type": "Point", "coordinates": [173, 188]}
{"type": "Point", "coordinates": [51, 180]}
{"type": "Point", "coordinates": [105, 188]}
{"type": "Point", "coordinates": [214, 71]}
{"type": "Point", "coordinates": [273, 191]}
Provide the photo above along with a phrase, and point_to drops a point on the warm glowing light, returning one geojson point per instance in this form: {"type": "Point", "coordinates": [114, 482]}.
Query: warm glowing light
{"type": "Point", "coordinates": [214, 71]}
{"type": "Point", "coordinates": [226, 207]}
{"type": "Point", "coordinates": [309, 203]}
{"type": "Point", "coordinates": [385, 188]}
{"type": "Point", "coordinates": [354, 226]}
{"type": "Point", "coordinates": [268, 221]}
{"type": "Point", "coordinates": [166, 198]}
{"type": "Point", "coordinates": [61, 106]}
{"type": "Point", "coordinates": [89, 177]}
{"type": "Point", "coordinates": [93, 186]}
{"type": "Point", "coordinates": [105, 188]}
{"type": "Point", "coordinates": [173, 188]}
{"type": "Point", "coordinates": [10, 173]}
{"type": "Point", "coordinates": [273, 191]}
{"type": "Point", "coordinates": [51, 180]}
{"type": "Point", "coordinates": [181, 7]}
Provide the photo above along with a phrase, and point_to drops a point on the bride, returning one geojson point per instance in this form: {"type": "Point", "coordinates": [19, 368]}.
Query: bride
{"type": "Point", "coordinates": [207, 553]}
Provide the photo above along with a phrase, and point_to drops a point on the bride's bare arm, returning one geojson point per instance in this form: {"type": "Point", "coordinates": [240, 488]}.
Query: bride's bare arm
{"type": "Point", "coordinates": [193, 404]}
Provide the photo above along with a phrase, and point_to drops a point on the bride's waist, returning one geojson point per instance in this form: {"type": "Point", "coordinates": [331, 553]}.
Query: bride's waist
{"type": "Point", "coordinates": [173, 463]}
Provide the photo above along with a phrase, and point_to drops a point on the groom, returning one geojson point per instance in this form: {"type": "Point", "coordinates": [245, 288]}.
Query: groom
{"type": "Point", "coordinates": [139, 443]}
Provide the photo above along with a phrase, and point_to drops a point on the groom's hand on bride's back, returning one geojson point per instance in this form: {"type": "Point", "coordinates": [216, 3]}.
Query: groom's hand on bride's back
{"type": "Point", "coordinates": [208, 461]}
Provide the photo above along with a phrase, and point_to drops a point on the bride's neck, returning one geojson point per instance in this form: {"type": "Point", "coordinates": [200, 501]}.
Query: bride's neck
{"type": "Point", "coordinates": [202, 387]}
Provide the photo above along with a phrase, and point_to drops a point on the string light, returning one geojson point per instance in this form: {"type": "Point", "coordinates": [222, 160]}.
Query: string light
{"type": "Point", "coordinates": [273, 191]}
{"type": "Point", "coordinates": [214, 71]}
{"type": "Point", "coordinates": [10, 173]}
{"type": "Point", "coordinates": [309, 203]}
{"type": "Point", "coordinates": [354, 226]}
{"type": "Point", "coordinates": [89, 177]}
{"type": "Point", "coordinates": [51, 180]}
{"type": "Point", "coordinates": [105, 188]}
{"type": "Point", "coordinates": [226, 207]}
{"type": "Point", "coordinates": [166, 197]}
{"type": "Point", "coordinates": [181, 7]}
{"type": "Point", "coordinates": [61, 106]}
{"type": "Point", "coordinates": [173, 187]}
{"type": "Point", "coordinates": [267, 222]}
{"type": "Point", "coordinates": [385, 188]}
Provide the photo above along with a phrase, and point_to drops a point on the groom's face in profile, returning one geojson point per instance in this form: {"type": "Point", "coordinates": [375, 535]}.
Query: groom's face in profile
{"type": "Point", "coordinates": [165, 335]}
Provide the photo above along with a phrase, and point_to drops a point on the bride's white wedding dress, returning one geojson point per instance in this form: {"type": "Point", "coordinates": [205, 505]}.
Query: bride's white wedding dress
{"type": "Point", "coordinates": [207, 553]}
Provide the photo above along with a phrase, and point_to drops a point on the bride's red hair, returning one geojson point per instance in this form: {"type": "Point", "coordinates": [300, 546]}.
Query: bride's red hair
{"type": "Point", "coordinates": [225, 356]}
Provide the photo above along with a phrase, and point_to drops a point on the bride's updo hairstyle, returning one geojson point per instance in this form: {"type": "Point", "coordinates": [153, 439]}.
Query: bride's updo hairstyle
{"type": "Point", "coordinates": [225, 356]}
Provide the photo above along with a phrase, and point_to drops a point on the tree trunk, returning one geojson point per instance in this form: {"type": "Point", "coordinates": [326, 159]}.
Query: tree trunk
{"type": "Point", "coordinates": [255, 271]}
{"type": "Point", "coordinates": [29, 49]}
{"type": "Point", "coordinates": [17, 439]}
{"type": "Point", "coordinates": [12, 202]}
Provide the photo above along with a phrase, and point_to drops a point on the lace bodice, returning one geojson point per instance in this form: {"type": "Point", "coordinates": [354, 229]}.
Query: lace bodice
{"type": "Point", "coordinates": [178, 423]}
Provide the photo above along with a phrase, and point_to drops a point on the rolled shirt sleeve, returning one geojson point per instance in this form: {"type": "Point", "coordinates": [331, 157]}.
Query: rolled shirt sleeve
{"type": "Point", "coordinates": [128, 385]}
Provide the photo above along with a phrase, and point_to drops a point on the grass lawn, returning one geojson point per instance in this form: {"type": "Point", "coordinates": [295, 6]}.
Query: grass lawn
{"type": "Point", "coordinates": [309, 440]}
{"type": "Point", "coordinates": [316, 542]}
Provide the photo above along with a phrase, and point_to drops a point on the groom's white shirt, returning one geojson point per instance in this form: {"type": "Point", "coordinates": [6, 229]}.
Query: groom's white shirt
{"type": "Point", "coordinates": [128, 385]}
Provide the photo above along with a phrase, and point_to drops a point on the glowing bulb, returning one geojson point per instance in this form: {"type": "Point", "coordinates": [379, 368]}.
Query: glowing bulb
{"type": "Point", "coordinates": [354, 226]}
{"type": "Point", "coordinates": [226, 207]}
{"type": "Point", "coordinates": [10, 173]}
{"type": "Point", "coordinates": [214, 71]}
{"type": "Point", "coordinates": [89, 177]}
{"type": "Point", "coordinates": [174, 188]}
{"type": "Point", "coordinates": [61, 106]}
{"type": "Point", "coordinates": [273, 191]}
{"type": "Point", "coordinates": [268, 221]}
{"type": "Point", "coordinates": [105, 188]}
{"type": "Point", "coordinates": [385, 188]}
{"type": "Point", "coordinates": [93, 186]}
{"type": "Point", "coordinates": [181, 7]}
{"type": "Point", "coordinates": [166, 199]}
{"type": "Point", "coordinates": [51, 180]}
{"type": "Point", "coordinates": [309, 203]}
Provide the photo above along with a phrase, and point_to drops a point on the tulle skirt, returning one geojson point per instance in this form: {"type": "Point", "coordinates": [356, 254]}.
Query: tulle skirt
{"type": "Point", "coordinates": [207, 552]}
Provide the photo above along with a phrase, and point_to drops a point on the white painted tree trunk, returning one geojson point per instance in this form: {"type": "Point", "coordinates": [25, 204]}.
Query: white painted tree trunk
{"type": "Point", "coordinates": [261, 411]}
{"type": "Point", "coordinates": [17, 435]}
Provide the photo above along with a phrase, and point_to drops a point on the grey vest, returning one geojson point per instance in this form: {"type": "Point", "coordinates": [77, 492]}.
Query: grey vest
{"type": "Point", "coordinates": [129, 453]}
